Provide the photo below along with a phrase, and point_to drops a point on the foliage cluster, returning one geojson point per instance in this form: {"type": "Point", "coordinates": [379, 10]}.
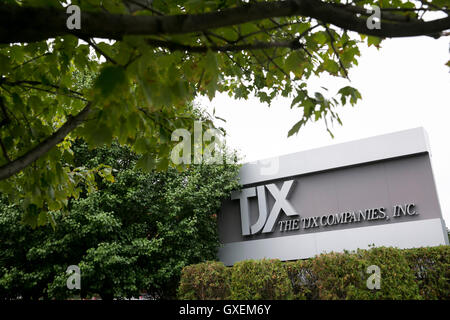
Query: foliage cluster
{"type": "Point", "coordinates": [128, 237]}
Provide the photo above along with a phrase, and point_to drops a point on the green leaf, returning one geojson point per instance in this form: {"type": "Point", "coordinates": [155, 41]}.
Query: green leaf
{"type": "Point", "coordinates": [375, 41]}
{"type": "Point", "coordinates": [301, 95]}
{"type": "Point", "coordinates": [146, 162]}
{"type": "Point", "coordinates": [351, 92]}
{"type": "Point", "coordinates": [331, 66]}
{"type": "Point", "coordinates": [294, 63]}
{"type": "Point", "coordinates": [5, 64]}
{"type": "Point", "coordinates": [99, 134]}
{"type": "Point", "coordinates": [42, 218]}
{"type": "Point", "coordinates": [296, 127]}
{"type": "Point", "coordinates": [211, 71]}
{"type": "Point", "coordinates": [320, 37]}
{"type": "Point", "coordinates": [109, 79]}
{"type": "Point", "coordinates": [308, 107]}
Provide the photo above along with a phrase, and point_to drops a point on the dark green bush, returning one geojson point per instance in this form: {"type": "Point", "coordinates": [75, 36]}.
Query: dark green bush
{"type": "Point", "coordinates": [303, 279]}
{"type": "Point", "coordinates": [422, 273]}
{"type": "Point", "coordinates": [344, 275]}
{"type": "Point", "coordinates": [431, 267]}
{"type": "Point", "coordinates": [205, 281]}
{"type": "Point", "coordinates": [260, 279]}
{"type": "Point", "coordinates": [128, 237]}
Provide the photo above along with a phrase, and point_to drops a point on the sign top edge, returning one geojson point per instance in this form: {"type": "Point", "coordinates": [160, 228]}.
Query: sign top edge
{"type": "Point", "coordinates": [365, 150]}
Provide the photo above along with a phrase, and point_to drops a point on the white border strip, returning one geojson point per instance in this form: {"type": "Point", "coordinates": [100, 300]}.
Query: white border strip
{"type": "Point", "coordinates": [386, 146]}
{"type": "Point", "coordinates": [402, 235]}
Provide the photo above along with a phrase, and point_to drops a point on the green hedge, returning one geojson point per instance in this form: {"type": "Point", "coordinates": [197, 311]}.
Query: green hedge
{"type": "Point", "coordinates": [431, 267]}
{"type": "Point", "coordinates": [205, 281]}
{"type": "Point", "coordinates": [422, 273]}
{"type": "Point", "coordinates": [259, 280]}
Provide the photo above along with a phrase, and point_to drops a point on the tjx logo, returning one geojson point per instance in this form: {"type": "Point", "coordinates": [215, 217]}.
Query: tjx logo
{"type": "Point", "coordinates": [264, 223]}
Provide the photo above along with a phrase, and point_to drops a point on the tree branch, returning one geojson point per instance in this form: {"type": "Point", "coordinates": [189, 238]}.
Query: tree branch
{"type": "Point", "coordinates": [174, 46]}
{"type": "Point", "coordinates": [5, 119]}
{"type": "Point", "coordinates": [5, 153]}
{"type": "Point", "coordinates": [30, 24]}
{"type": "Point", "coordinates": [273, 28]}
{"type": "Point", "coordinates": [42, 148]}
{"type": "Point", "coordinates": [31, 60]}
{"type": "Point", "coordinates": [92, 43]}
{"type": "Point", "coordinates": [30, 84]}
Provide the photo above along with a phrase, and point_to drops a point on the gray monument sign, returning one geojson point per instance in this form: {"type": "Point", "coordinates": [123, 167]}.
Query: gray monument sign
{"type": "Point", "coordinates": [377, 191]}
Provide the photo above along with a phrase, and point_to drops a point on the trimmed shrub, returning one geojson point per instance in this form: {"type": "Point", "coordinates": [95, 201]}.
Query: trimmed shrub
{"type": "Point", "coordinates": [205, 281]}
{"type": "Point", "coordinates": [303, 279]}
{"type": "Point", "coordinates": [431, 268]}
{"type": "Point", "coordinates": [260, 280]}
{"type": "Point", "coordinates": [344, 275]}
{"type": "Point", "coordinates": [422, 273]}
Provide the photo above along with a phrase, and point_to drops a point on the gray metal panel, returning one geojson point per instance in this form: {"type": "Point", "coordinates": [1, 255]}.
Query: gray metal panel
{"type": "Point", "coordinates": [386, 146]}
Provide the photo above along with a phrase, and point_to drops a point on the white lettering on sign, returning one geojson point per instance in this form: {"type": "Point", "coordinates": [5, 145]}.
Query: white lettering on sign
{"type": "Point", "coordinates": [266, 222]}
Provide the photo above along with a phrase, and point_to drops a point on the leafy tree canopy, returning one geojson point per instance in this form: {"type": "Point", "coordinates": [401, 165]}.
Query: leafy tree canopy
{"type": "Point", "coordinates": [130, 236]}
{"type": "Point", "coordinates": [132, 68]}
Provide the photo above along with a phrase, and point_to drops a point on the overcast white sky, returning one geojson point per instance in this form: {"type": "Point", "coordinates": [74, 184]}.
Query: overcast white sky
{"type": "Point", "coordinates": [404, 85]}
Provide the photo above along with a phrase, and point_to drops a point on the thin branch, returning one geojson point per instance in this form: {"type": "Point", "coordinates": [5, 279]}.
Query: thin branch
{"type": "Point", "coordinates": [149, 116]}
{"type": "Point", "coordinates": [414, 9]}
{"type": "Point", "coordinates": [143, 6]}
{"type": "Point", "coordinates": [434, 6]}
{"type": "Point", "coordinates": [30, 84]}
{"type": "Point", "coordinates": [5, 153]}
{"type": "Point", "coordinates": [246, 72]}
{"type": "Point", "coordinates": [42, 148]}
{"type": "Point", "coordinates": [6, 120]}
{"type": "Point", "coordinates": [28, 125]}
{"type": "Point", "coordinates": [174, 46]}
{"type": "Point", "coordinates": [385, 15]}
{"type": "Point", "coordinates": [31, 60]}
{"type": "Point", "coordinates": [34, 82]}
{"type": "Point", "coordinates": [133, 59]}
{"type": "Point", "coordinates": [94, 45]}
{"type": "Point", "coordinates": [266, 29]}
{"type": "Point", "coordinates": [199, 83]}
{"type": "Point", "coordinates": [284, 72]}
{"type": "Point", "coordinates": [6, 108]}
{"type": "Point", "coordinates": [335, 52]}
{"type": "Point", "coordinates": [276, 65]}
{"type": "Point", "coordinates": [215, 35]}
